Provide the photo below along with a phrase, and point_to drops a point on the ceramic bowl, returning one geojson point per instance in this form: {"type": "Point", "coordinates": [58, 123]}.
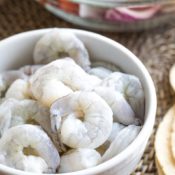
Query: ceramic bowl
{"type": "Point", "coordinates": [17, 51]}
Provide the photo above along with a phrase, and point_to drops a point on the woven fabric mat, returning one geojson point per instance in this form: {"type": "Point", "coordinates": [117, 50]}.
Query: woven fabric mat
{"type": "Point", "coordinates": [155, 48]}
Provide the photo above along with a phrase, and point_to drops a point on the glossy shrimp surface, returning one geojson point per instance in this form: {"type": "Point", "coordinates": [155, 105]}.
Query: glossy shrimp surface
{"type": "Point", "coordinates": [122, 111]}
{"type": "Point", "coordinates": [79, 159]}
{"type": "Point", "coordinates": [83, 118]}
{"type": "Point", "coordinates": [121, 141]}
{"type": "Point", "coordinates": [58, 79]}
{"type": "Point", "coordinates": [8, 77]}
{"type": "Point", "coordinates": [28, 148]}
{"type": "Point", "coordinates": [59, 44]}
{"type": "Point", "coordinates": [15, 112]}
{"type": "Point", "coordinates": [19, 89]}
{"type": "Point", "coordinates": [102, 69]}
{"type": "Point", "coordinates": [131, 89]}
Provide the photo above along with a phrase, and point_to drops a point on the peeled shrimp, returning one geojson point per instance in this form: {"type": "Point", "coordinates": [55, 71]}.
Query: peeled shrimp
{"type": "Point", "coordinates": [78, 159]}
{"type": "Point", "coordinates": [131, 88]}
{"type": "Point", "coordinates": [106, 65]}
{"type": "Point", "coordinates": [28, 148]}
{"type": "Point", "coordinates": [8, 77]}
{"type": "Point", "coordinates": [58, 79]}
{"type": "Point", "coordinates": [19, 89]}
{"type": "Point", "coordinates": [116, 128]}
{"type": "Point", "coordinates": [122, 111]}
{"type": "Point", "coordinates": [83, 119]}
{"type": "Point", "coordinates": [14, 112]}
{"type": "Point", "coordinates": [30, 69]}
{"type": "Point", "coordinates": [102, 69]}
{"type": "Point", "coordinates": [100, 72]}
{"type": "Point", "coordinates": [59, 44]}
{"type": "Point", "coordinates": [123, 139]}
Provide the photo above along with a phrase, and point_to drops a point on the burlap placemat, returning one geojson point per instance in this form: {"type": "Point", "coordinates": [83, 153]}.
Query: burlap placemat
{"type": "Point", "coordinates": [155, 48]}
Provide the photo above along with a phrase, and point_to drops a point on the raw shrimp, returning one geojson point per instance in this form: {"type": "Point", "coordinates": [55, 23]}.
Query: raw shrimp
{"type": "Point", "coordinates": [100, 72]}
{"type": "Point", "coordinates": [83, 119]}
{"type": "Point", "coordinates": [30, 69]}
{"type": "Point", "coordinates": [59, 44]}
{"type": "Point", "coordinates": [14, 112]}
{"type": "Point", "coordinates": [8, 77]}
{"type": "Point", "coordinates": [122, 111]}
{"type": "Point", "coordinates": [107, 65]}
{"type": "Point", "coordinates": [123, 139]}
{"type": "Point", "coordinates": [102, 69]}
{"type": "Point", "coordinates": [131, 88]}
{"type": "Point", "coordinates": [58, 79]}
{"type": "Point", "coordinates": [19, 89]}
{"type": "Point", "coordinates": [28, 148]}
{"type": "Point", "coordinates": [78, 159]}
{"type": "Point", "coordinates": [116, 128]}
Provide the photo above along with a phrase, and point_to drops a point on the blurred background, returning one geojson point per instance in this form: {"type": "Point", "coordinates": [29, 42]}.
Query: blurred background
{"type": "Point", "coordinates": [113, 15]}
{"type": "Point", "coordinates": [146, 27]}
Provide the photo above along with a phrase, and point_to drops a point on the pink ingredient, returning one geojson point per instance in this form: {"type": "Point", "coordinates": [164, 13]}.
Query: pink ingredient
{"type": "Point", "coordinates": [114, 15]}
{"type": "Point", "coordinates": [132, 14]}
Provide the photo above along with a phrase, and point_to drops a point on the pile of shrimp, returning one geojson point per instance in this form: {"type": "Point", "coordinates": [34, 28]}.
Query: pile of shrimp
{"type": "Point", "coordinates": [63, 113]}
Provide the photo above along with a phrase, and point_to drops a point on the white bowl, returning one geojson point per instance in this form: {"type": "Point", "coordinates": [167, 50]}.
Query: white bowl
{"type": "Point", "coordinates": [17, 51]}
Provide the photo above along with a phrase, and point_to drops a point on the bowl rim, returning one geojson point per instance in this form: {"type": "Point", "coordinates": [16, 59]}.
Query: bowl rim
{"type": "Point", "coordinates": [121, 3]}
{"type": "Point", "coordinates": [147, 126]}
